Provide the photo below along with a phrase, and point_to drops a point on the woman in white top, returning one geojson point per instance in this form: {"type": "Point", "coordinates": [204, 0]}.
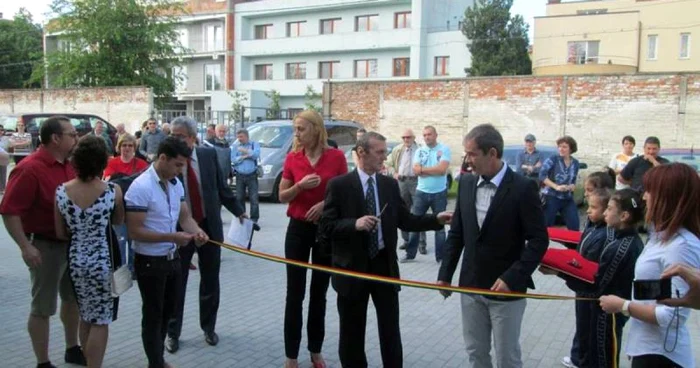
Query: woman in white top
{"type": "Point", "coordinates": [658, 335]}
{"type": "Point", "coordinates": [620, 160]}
{"type": "Point", "coordinates": [20, 143]}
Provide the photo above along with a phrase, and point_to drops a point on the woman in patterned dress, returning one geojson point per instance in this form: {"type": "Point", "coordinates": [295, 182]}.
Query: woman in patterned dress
{"type": "Point", "coordinates": [84, 207]}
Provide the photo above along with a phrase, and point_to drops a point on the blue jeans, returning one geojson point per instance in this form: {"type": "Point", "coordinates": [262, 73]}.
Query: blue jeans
{"type": "Point", "coordinates": [567, 208]}
{"type": "Point", "coordinates": [124, 242]}
{"type": "Point", "coordinates": [437, 202]}
{"type": "Point", "coordinates": [249, 181]}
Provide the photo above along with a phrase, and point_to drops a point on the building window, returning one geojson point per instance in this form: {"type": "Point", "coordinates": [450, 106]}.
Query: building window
{"type": "Point", "coordinates": [263, 31]}
{"type": "Point", "coordinates": [583, 52]}
{"type": "Point", "coordinates": [652, 46]}
{"type": "Point", "coordinates": [180, 78]}
{"type": "Point", "coordinates": [296, 70]}
{"type": "Point", "coordinates": [329, 26]}
{"type": "Point", "coordinates": [328, 69]}
{"type": "Point", "coordinates": [292, 112]}
{"type": "Point", "coordinates": [685, 46]}
{"type": "Point", "coordinates": [442, 65]}
{"type": "Point", "coordinates": [212, 77]}
{"type": "Point", "coordinates": [402, 20]}
{"type": "Point", "coordinates": [183, 38]}
{"type": "Point", "coordinates": [366, 68]}
{"type": "Point", "coordinates": [296, 29]}
{"type": "Point", "coordinates": [402, 67]}
{"type": "Point", "coordinates": [214, 38]}
{"type": "Point", "coordinates": [364, 23]}
{"type": "Point", "coordinates": [263, 72]}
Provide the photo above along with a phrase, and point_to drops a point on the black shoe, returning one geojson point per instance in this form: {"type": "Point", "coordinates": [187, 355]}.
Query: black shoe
{"type": "Point", "coordinates": [402, 246]}
{"type": "Point", "coordinates": [422, 249]}
{"type": "Point", "coordinates": [172, 345]}
{"type": "Point", "coordinates": [75, 355]}
{"type": "Point", "coordinates": [211, 338]}
{"type": "Point", "coordinates": [45, 365]}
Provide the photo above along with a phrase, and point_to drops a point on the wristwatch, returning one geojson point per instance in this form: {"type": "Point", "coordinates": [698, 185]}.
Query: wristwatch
{"type": "Point", "coordinates": [626, 308]}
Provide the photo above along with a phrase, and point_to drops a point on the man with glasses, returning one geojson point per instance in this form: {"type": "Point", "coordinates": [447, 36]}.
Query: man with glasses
{"type": "Point", "coordinates": [27, 211]}
{"type": "Point", "coordinates": [400, 165]}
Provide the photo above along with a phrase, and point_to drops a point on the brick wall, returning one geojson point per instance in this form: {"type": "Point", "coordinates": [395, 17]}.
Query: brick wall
{"type": "Point", "coordinates": [596, 110]}
{"type": "Point", "coordinates": [128, 105]}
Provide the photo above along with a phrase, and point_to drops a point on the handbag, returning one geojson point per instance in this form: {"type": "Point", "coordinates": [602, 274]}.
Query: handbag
{"type": "Point", "coordinates": [121, 277]}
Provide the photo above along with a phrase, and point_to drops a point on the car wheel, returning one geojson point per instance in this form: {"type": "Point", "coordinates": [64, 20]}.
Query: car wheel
{"type": "Point", "coordinates": [275, 197]}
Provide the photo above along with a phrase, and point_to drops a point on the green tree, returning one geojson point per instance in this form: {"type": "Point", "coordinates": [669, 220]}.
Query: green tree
{"type": "Point", "coordinates": [20, 49]}
{"type": "Point", "coordinates": [115, 43]}
{"type": "Point", "coordinates": [497, 41]}
{"type": "Point", "coordinates": [311, 98]}
{"type": "Point", "coordinates": [273, 111]}
{"type": "Point", "coordinates": [239, 100]}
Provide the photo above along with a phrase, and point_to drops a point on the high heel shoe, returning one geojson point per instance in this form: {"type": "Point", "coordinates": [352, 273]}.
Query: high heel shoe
{"type": "Point", "coordinates": [318, 363]}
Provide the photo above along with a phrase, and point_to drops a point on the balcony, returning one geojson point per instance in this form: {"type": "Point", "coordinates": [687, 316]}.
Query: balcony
{"type": "Point", "coordinates": [592, 65]}
{"type": "Point", "coordinates": [345, 42]}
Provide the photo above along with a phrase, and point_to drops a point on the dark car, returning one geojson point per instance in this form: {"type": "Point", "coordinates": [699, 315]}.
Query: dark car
{"type": "Point", "coordinates": [83, 123]}
{"type": "Point", "coordinates": [684, 155]}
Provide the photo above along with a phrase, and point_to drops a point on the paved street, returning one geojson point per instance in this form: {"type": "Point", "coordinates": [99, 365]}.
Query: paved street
{"type": "Point", "coordinates": [252, 308]}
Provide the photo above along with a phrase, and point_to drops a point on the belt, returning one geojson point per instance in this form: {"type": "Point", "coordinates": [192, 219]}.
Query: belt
{"type": "Point", "coordinates": [35, 236]}
{"type": "Point", "coordinates": [406, 178]}
{"type": "Point", "coordinates": [170, 257]}
{"type": "Point", "coordinates": [247, 174]}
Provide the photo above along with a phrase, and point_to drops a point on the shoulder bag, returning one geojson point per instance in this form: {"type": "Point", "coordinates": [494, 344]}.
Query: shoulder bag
{"type": "Point", "coordinates": [121, 277]}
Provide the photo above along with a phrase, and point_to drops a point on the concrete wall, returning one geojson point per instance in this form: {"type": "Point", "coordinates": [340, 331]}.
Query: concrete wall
{"type": "Point", "coordinates": [128, 105]}
{"type": "Point", "coordinates": [596, 110]}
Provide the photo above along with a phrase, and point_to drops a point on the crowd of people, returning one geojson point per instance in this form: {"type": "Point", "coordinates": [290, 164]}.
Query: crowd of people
{"type": "Point", "coordinates": [77, 206]}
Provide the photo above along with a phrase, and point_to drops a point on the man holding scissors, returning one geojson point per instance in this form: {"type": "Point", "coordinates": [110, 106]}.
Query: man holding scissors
{"type": "Point", "coordinates": [363, 239]}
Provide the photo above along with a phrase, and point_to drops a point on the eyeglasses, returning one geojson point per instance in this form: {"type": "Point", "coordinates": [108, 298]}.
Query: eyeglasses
{"type": "Point", "coordinates": [406, 137]}
{"type": "Point", "coordinates": [127, 145]}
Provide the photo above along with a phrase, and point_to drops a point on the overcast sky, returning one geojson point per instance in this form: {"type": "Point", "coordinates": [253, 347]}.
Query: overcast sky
{"type": "Point", "coordinates": [527, 8]}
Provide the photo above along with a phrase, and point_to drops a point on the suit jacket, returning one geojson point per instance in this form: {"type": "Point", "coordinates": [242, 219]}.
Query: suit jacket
{"type": "Point", "coordinates": [510, 243]}
{"type": "Point", "coordinates": [216, 192]}
{"type": "Point", "coordinates": [344, 204]}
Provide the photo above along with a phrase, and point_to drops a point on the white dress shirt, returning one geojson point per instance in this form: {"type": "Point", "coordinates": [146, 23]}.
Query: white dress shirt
{"type": "Point", "coordinates": [484, 194]}
{"type": "Point", "coordinates": [363, 178]}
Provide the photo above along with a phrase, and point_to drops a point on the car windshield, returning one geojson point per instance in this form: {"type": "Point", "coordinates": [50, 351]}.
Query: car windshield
{"type": "Point", "coordinates": [9, 122]}
{"type": "Point", "coordinates": [270, 136]}
{"type": "Point", "coordinates": [688, 159]}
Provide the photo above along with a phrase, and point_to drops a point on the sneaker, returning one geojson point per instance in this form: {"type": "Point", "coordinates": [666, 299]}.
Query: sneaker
{"type": "Point", "coordinates": [402, 246]}
{"type": "Point", "coordinates": [566, 362]}
{"type": "Point", "coordinates": [405, 259]}
{"type": "Point", "coordinates": [75, 355]}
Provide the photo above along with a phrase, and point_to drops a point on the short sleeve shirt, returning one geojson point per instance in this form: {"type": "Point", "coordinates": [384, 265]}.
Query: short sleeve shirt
{"type": "Point", "coordinates": [332, 163]}
{"type": "Point", "coordinates": [429, 157]}
{"type": "Point", "coordinates": [617, 163]}
{"type": "Point", "coordinates": [161, 202]}
{"type": "Point", "coordinates": [636, 169]}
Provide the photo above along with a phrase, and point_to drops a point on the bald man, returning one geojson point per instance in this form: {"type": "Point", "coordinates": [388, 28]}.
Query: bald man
{"type": "Point", "coordinates": [400, 165]}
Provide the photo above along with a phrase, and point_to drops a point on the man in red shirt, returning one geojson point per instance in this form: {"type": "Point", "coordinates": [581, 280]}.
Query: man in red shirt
{"type": "Point", "coordinates": [27, 211]}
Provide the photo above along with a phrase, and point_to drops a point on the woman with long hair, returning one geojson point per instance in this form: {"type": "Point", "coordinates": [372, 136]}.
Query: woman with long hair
{"type": "Point", "coordinates": [307, 170]}
{"type": "Point", "coordinates": [658, 335]}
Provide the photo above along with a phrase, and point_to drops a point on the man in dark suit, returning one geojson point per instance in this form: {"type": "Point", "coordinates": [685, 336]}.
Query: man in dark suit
{"type": "Point", "coordinates": [499, 226]}
{"type": "Point", "coordinates": [361, 215]}
{"type": "Point", "coordinates": [206, 191]}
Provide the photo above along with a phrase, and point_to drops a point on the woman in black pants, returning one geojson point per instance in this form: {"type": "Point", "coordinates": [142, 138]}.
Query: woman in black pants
{"type": "Point", "coordinates": [307, 170]}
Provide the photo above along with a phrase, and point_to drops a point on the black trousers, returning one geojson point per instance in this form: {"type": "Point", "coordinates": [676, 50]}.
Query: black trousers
{"type": "Point", "coordinates": [353, 320]}
{"type": "Point", "coordinates": [299, 243]}
{"type": "Point", "coordinates": [209, 256]}
{"type": "Point", "coordinates": [653, 361]}
{"type": "Point", "coordinates": [159, 284]}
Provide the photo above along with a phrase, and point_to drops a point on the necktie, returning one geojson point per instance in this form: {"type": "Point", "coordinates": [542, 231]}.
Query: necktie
{"type": "Point", "coordinates": [371, 209]}
{"type": "Point", "coordinates": [193, 191]}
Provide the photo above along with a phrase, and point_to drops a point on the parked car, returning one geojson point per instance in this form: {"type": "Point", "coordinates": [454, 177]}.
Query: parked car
{"type": "Point", "coordinates": [276, 137]}
{"type": "Point", "coordinates": [83, 123]}
{"type": "Point", "coordinates": [684, 155]}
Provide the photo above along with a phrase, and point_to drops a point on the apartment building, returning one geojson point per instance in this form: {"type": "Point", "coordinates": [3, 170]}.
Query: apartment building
{"type": "Point", "coordinates": [616, 36]}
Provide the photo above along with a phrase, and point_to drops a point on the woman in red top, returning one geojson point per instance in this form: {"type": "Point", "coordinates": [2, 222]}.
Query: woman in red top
{"type": "Point", "coordinates": [126, 163]}
{"type": "Point", "coordinates": [307, 170]}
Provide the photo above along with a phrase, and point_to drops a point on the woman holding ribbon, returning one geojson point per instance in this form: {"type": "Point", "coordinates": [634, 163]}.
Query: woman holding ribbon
{"type": "Point", "coordinates": [307, 170]}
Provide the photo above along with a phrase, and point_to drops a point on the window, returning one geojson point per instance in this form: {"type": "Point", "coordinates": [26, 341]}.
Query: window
{"type": "Point", "coordinates": [214, 38]}
{"type": "Point", "coordinates": [364, 23]}
{"type": "Point", "coordinates": [402, 20]}
{"type": "Point", "coordinates": [652, 47]}
{"type": "Point", "coordinates": [263, 72]}
{"type": "Point", "coordinates": [328, 69]}
{"type": "Point", "coordinates": [583, 52]}
{"type": "Point", "coordinates": [296, 29]}
{"type": "Point", "coordinates": [212, 77]}
{"type": "Point", "coordinates": [591, 11]}
{"type": "Point", "coordinates": [296, 70]}
{"type": "Point", "coordinates": [182, 36]}
{"type": "Point", "coordinates": [342, 135]}
{"type": "Point", "coordinates": [685, 46]}
{"type": "Point", "coordinates": [263, 31]}
{"type": "Point", "coordinates": [442, 65]}
{"type": "Point", "coordinates": [329, 26]}
{"type": "Point", "coordinates": [402, 67]}
{"type": "Point", "coordinates": [366, 68]}
{"type": "Point", "coordinates": [63, 45]}
{"type": "Point", "coordinates": [292, 112]}
{"type": "Point", "coordinates": [180, 78]}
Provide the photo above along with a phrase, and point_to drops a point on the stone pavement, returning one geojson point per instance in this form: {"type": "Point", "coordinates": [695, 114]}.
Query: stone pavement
{"type": "Point", "coordinates": [251, 316]}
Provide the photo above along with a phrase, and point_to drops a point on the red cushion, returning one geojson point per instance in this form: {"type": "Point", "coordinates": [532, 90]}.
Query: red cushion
{"type": "Point", "coordinates": [570, 262]}
{"type": "Point", "coordinates": [563, 235]}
